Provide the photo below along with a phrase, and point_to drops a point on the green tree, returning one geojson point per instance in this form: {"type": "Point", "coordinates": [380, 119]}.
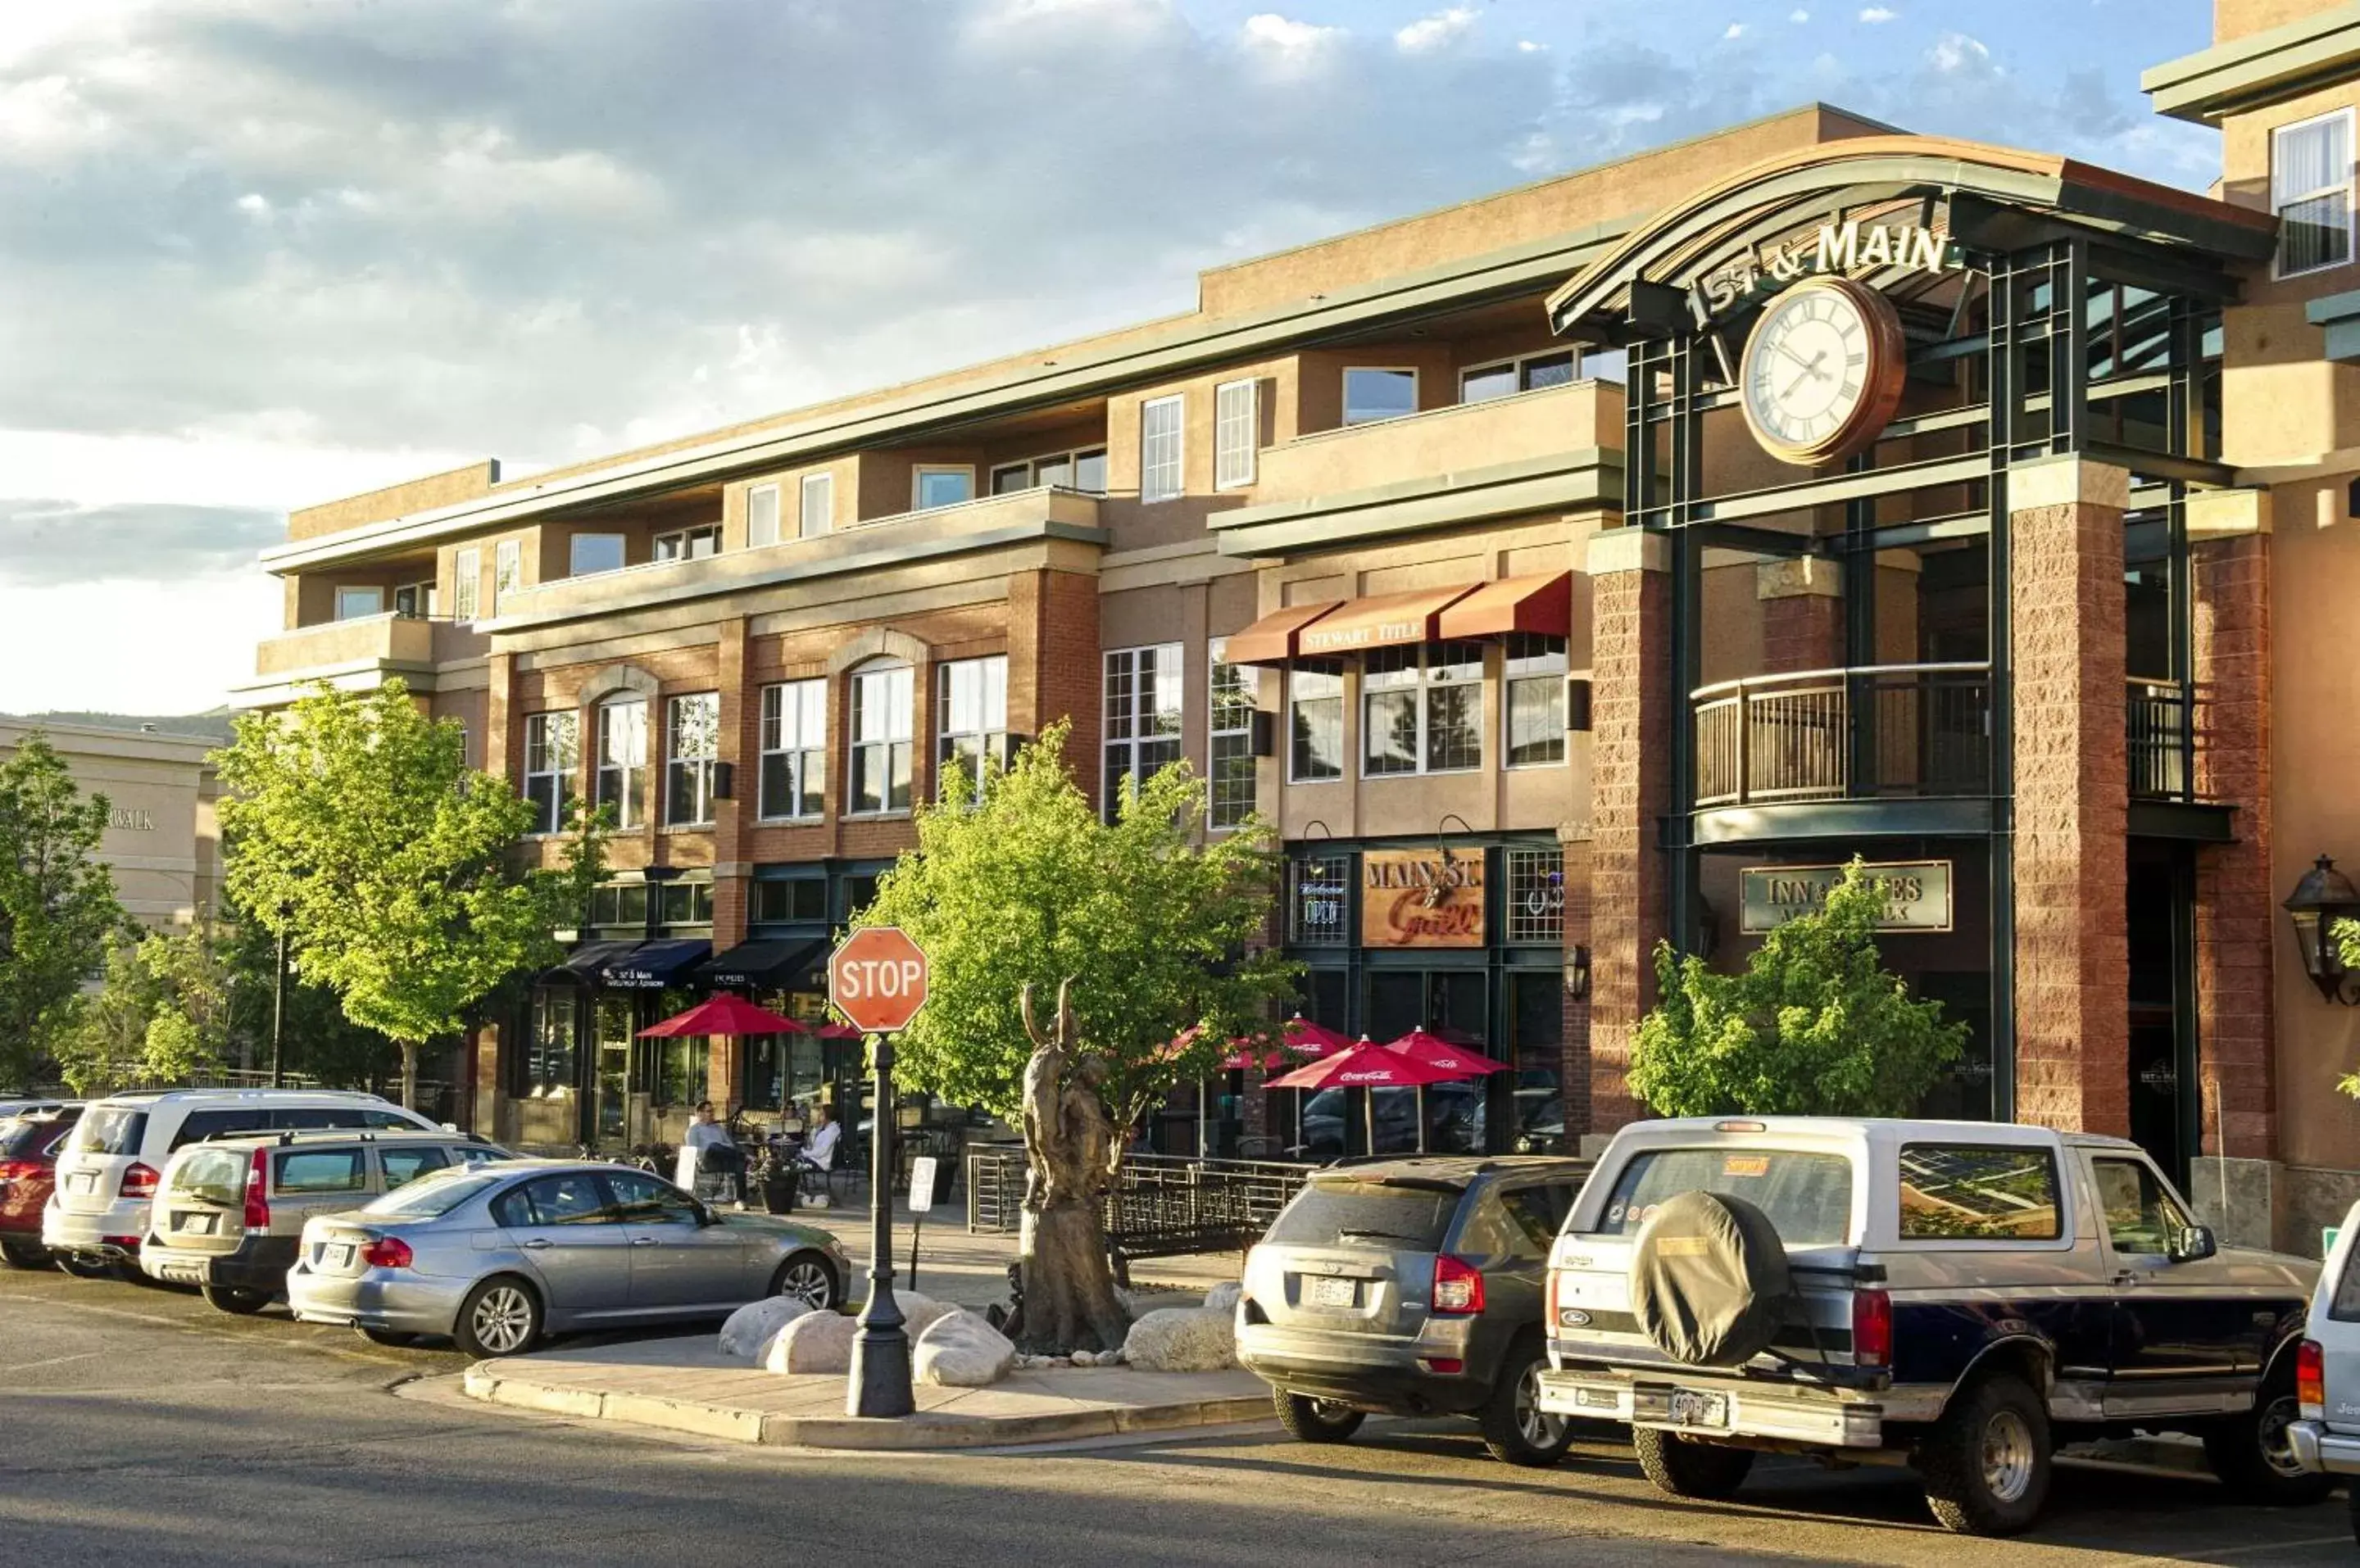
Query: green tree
{"type": "Point", "coordinates": [320, 1041]}
{"type": "Point", "coordinates": [59, 915]}
{"type": "Point", "coordinates": [1814, 1026]}
{"type": "Point", "coordinates": [162, 1015]}
{"type": "Point", "coordinates": [104, 1046]}
{"type": "Point", "coordinates": [352, 823]}
{"type": "Point", "coordinates": [1147, 916]}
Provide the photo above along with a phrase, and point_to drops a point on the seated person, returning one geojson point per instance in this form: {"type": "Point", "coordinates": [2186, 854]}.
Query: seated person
{"type": "Point", "coordinates": [819, 1150]}
{"type": "Point", "coordinates": [707, 1146]}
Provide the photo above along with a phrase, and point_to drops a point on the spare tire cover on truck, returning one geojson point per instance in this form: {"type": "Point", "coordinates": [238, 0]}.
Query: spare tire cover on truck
{"type": "Point", "coordinates": [1709, 1280]}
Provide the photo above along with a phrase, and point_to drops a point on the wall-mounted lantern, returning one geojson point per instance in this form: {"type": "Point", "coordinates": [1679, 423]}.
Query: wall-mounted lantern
{"type": "Point", "coordinates": [2323, 896]}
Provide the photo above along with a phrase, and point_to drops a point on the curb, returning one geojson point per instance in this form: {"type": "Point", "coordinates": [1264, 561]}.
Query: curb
{"type": "Point", "coordinates": [736, 1423]}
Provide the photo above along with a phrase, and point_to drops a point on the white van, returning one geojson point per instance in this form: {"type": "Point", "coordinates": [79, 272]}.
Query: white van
{"type": "Point", "coordinates": [107, 1175]}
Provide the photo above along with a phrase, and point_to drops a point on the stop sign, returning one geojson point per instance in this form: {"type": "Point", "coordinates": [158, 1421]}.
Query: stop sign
{"type": "Point", "coordinates": [878, 979]}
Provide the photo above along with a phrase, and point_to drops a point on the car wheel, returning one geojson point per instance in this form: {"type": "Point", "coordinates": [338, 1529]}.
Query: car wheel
{"type": "Point", "coordinates": [2254, 1458]}
{"type": "Point", "coordinates": [1515, 1429]}
{"type": "Point", "coordinates": [2352, 1495]}
{"type": "Point", "coordinates": [23, 1254]}
{"type": "Point", "coordinates": [1686, 1468]}
{"type": "Point", "coordinates": [83, 1269]}
{"type": "Point", "coordinates": [807, 1277]}
{"type": "Point", "coordinates": [391, 1338]}
{"type": "Point", "coordinates": [1308, 1420]}
{"type": "Point", "coordinates": [1986, 1461]}
{"type": "Point", "coordinates": [500, 1317]}
{"type": "Point", "coordinates": [234, 1299]}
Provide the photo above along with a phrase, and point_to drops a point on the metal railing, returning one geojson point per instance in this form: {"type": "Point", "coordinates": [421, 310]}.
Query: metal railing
{"type": "Point", "coordinates": [2165, 729]}
{"type": "Point", "coordinates": [1161, 1205]}
{"type": "Point", "coordinates": [1870, 731]}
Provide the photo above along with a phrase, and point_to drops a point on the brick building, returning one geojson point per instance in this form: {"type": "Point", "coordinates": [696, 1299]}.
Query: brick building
{"type": "Point", "coordinates": [1597, 563]}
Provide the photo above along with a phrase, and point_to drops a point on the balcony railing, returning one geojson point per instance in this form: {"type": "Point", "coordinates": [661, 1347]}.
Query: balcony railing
{"type": "Point", "coordinates": [1907, 731]}
{"type": "Point", "coordinates": [2166, 728]}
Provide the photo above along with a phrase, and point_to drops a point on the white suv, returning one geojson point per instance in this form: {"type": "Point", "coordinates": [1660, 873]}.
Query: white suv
{"type": "Point", "coordinates": [2325, 1435]}
{"type": "Point", "coordinates": [106, 1176]}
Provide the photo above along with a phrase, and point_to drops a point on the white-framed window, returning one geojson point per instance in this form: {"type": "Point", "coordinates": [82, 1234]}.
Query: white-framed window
{"type": "Point", "coordinates": [761, 515]}
{"type": "Point", "coordinates": [1315, 720]}
{"type": "Point", "coordinates": [1525, 372]}
{"type": "Point", "coordinates": [935, 484]}
{"type": "Point", "coordinates": [508, 570]}
{"type": "Point", "coordinates": [623, 760]}
{"type": "Point", "coordinates": [1231, 693]}
{"type": "Point", "coordinates": [553, 752]}
{"type": "Point", "coordinates": [1533, 670]}
{"type": "Point", "coordinates": [1378, 392]}
{"type": "Point", "coordinates": [883, 719]}
{"type": "Point", "coordinates": [2310, 192]}
{"type": "Point", "coordinates": [971, 722]}
{"type": "Point", "coordinates": [794, 750]}
{"type": "Point", "coordinates": [414, 600]}
{"type": "Point", "coordinates": [1143, 698]}
{"type": "Point", "coordinates": [1237, 432]}
{"type": "Point", "coordinates": [1084, 470]}
{"type": "Point", "coordinates": [353, 602]}
{"type": "Point", "coordinates": [1160, 422]}
{"type": "Point", "coordinates": [691, 744]}
{"type": "Point", "coordinates": [689, 544]}
{"type": "Point", "coordinates": [589, 554]}
{"type": "Point", "coordinates": [466, 583]}
{"type": "Point", "coordinates": [1422, 709]}
{"type": "Point", "coordinates": [815, 503]}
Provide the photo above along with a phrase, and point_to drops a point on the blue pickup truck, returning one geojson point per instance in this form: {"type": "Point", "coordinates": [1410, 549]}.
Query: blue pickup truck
{"type": "Point", "coordinates": [1964, 1296]}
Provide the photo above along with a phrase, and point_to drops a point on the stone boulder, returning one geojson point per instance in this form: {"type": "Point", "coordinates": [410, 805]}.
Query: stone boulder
{"type": "Point", "coordinates": [814, 1342]}
{"type": "Point", "coordinates": [1223, 1297]}
{"type": "Point", "coordinates": [747, 1335]}
{"type": "Point", "coordinates": [921, 1312]}
{"type": "Point", "coordinates": [1182, 1339]}
{"type": "Point", "coordinates": [959, 1350]}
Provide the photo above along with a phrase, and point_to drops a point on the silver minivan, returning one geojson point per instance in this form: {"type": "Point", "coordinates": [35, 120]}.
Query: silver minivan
{"type": "Point", "coordinates": [228, 1216]}
{"type": "Point", "coordinates": [106, 1178]}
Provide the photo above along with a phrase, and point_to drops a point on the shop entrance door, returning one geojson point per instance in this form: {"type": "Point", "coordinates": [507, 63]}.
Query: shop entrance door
{"type": "Point", "coordinates": [1456, 1005]}
{"type": "Point", "coordinates": [2161, 885]}
{"type": "Point", "coordinates": [611, 1082]}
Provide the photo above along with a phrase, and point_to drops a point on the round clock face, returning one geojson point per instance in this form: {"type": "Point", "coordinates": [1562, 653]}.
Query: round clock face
{"type": "Point", "coordinates": [1822, 372]}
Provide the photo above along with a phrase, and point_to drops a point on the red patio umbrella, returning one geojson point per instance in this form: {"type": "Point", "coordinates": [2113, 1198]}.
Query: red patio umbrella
{"type": "Point", "coordinates": [1368, 1065]}
{"type": "Point", "coordinates": [1317, 1039]}
{"type": "Point", "coordinates": [1440, 1052]}
{"type": "Point", "coordinates": [833, 1030]}
{"type": "Point", "coordinates": [725, 1014]}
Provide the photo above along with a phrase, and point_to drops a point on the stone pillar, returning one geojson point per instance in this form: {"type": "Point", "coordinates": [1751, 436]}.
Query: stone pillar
{"type": "Point", "coordinates": [2236, 908]}
{"type": "Point", "coordinates": [2071, 788]}
{"type": "Point", "coordinates": [1573, 1070]}
{"type": "Point", "coordinates": [1052, 662]}
{"type": "Point", "coordinates": [1802, 613]}
{"type": "Point", "coordinates": [1633, 729]}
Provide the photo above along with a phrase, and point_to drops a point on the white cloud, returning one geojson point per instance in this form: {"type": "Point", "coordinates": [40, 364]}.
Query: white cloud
{"type": "Point", "coordinates": [166, 648]}
{"type": "Point", "coordinates": [1289, 43]}
{"type": "Point", "coordinates": [1799, 15]}
{"type": "Point", "coordinates": [1957, 51]}
{"type": "Point", "coordinates": [1437, 31]}
{"type": "Point", "coordinates": [1734, 30]}
{"type": "Point", "coordinates": [1526, 45]}
{"type": "Point", "coordinates": [1874, 13]}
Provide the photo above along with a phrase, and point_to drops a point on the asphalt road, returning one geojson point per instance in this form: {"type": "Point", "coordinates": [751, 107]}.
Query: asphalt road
{"type": "Point", "coordinates": [138, 1425]}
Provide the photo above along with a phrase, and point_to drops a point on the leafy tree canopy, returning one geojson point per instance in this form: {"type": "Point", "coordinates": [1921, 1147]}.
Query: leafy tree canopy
{"type": "Point", "coordinates": [59, 915]}
{"type": "Point", "coordinates": [352, 823]}
{"type": "Point", "coordinates": [1814, 1026]}
{"type": "Point", "coordinates": [1147, 916]}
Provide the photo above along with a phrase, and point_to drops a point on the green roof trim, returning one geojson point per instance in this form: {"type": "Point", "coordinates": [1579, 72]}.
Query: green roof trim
{"type": "Point", "coordinates": [2258, 69]}
{"type": "Point", "coordinates": [2339, 314]}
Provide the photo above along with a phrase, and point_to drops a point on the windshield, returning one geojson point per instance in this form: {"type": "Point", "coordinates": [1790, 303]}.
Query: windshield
{"type": "Point", "coordinates": [1807, 1196]}
{"type": "Point", "coordinates": [110, 1129]}
{"type": "Point", "coordinates": [1327, 1212]}
{"type": "Point", "coordinates": [436, 1193]}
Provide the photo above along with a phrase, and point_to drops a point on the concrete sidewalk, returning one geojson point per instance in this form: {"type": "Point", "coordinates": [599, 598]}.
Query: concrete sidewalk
{"type": "Point", "coordinates": [685, 1384]}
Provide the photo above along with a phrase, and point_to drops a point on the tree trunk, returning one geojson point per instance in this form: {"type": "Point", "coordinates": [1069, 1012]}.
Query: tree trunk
{"type": "Point", "coordinates": [409, 1075]}
{"type": "Point", "coordinates": [1069, 1300]}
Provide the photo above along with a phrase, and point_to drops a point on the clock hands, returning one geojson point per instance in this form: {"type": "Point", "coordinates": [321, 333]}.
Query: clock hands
{"type": "Point", "coordinates": [1812, 370]}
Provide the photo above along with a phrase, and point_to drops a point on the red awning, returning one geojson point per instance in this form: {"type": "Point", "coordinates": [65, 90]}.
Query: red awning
{"type": "Point", "coordinates": [1542, 605]}
{"type": "Point", "coordinates": [1388, 620]}
{"type": "Point", "coordinates": [1271, 640]}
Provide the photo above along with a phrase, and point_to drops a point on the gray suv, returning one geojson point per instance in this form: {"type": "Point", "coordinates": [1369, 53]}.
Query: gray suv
{"type": "Point", "coordinates": [1411, 1286]}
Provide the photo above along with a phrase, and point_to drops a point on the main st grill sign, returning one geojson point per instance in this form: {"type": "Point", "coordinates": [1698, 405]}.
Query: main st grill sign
{"type": "Point", "coordinates": [1421, 898]}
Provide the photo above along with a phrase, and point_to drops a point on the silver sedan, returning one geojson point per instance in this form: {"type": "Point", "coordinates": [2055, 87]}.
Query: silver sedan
{"type": "Point", "coordinates": [497, 1256]}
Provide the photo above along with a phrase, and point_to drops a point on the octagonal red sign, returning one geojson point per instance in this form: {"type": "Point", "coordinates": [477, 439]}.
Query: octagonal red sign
{"type": "Point", "coordinates": [878, 979]}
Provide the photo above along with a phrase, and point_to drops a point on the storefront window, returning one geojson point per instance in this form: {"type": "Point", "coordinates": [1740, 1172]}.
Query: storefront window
{"type": "Point", "coordinates": [548, 1053]}
{"type": "Point", "coordinates": [688, 903]}
{"type": "Point", "coordinates": [805, 898]}
{"type": "Point", "coordinates": [680, 1070]}
{"type": "Point", "coordinates": [1319, 900]}
{"type": "Point", "coordinates": [620, 904]}
{"type": "Point", "coordinates": [1537, 896]}
{"type": "Point", "coordinates": [782, 1070]}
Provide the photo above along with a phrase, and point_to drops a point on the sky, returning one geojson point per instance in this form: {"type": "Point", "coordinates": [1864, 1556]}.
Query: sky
{"type": "Point", "coordinates": [258, 253]}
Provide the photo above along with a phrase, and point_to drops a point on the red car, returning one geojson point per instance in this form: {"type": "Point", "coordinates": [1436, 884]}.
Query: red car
{"type": "Point", "coordinates": [29, 1147]}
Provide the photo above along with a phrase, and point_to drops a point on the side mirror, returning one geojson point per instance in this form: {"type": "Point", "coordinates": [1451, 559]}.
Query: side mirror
{"type": "Point", "coordinates": [2193, 1243]}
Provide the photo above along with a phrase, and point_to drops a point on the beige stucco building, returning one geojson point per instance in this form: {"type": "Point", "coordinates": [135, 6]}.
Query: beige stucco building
{"type": "Point", "coordinates": [160, 839]}
{"type": "Point", "coordinates": [1490, 554]}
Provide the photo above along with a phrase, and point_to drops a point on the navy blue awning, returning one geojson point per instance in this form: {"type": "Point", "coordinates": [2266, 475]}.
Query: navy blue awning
{"type": "Point", "coordinates": [582, 966]}
{"type": "Point", "coordinates": [651, 965]}
{"type": "Point", "coordinates": [766, 964]}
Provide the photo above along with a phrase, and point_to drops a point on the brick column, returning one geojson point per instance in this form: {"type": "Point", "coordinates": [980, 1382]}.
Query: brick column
{"type": "Point", "coordinates": [1573, 1080]}
{"type": "Point", "coordinates": [741, 746]}
{"type": "Point", "coordinates": [1802, 613]}
{"type": "Point", "coordinates": [2236, 908]}
{"type": "Point", "coordinates": [2072, 792]}
{"type": "Point", "coordinates": [1633, 729]}
{"type": "Point", "coordinates": [1052, 662]}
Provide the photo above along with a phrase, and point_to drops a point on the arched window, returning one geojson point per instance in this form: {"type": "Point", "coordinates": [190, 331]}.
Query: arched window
{"type": "Point", "coordinates": [883, 721]}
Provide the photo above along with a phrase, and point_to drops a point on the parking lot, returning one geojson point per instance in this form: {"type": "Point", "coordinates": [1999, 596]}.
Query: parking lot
{"type": "Point", "coordinates": [143, 1426]}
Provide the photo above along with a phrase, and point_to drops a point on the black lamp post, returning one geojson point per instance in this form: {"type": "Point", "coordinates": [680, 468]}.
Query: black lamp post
{"type": "Point", "coordinates": [279, 1003]}
{"type": "Point", "coordinates": [2323, 896]}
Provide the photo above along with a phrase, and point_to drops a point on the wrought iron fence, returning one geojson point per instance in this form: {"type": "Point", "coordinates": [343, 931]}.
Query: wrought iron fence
{"type": "Point", "coordinates": [2166, 730]}
{"type": "Point", "coordinates": [1161, 1205]}
{"type": "Point", "coordinates": [1907, 730]}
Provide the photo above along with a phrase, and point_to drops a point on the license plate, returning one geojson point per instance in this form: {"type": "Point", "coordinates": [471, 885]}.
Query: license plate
{"type": "Point", "coordinates": [1692, 1409]}
{"type": "Point", "coordinates": [337, 1257]}
{"type": "Point", "coordinates": [197, 1224]}
{"type": "Point", "coordinates": [1333, 1293]}
{"type": "Point", "coordinates": [82, 1181]}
